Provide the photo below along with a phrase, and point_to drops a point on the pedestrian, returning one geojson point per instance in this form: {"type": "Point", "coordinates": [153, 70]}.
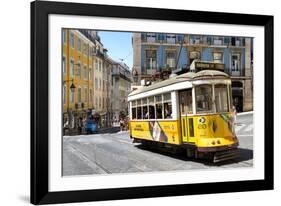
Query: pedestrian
{"type": "Point", "coordinates": [234, 114]}
{"type": "Point", "coordinates": [65, 126]}
{"type": "Point", "coordinates": [114, 121]}
{"type": "Point", "coordinates": [121, 122]}
{"type": "Point", "coordinates": [126, 124]}
{"type": "Point", "coordinates": [80, 122]}
{"type": "Point", "coordinates": [84, 121]}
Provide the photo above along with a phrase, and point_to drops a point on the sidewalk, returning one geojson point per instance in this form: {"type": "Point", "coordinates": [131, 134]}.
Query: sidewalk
{"type": "Point", "coordinates": [75, 132]}
{"type": "Point", "coordinates": [245, 113]}
{"type": "Point", "coordinates": [108, 130]}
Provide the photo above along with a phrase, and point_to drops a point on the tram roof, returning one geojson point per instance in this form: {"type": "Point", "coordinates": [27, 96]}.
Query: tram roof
{"type": "Point", "coordinates": [189, 76]}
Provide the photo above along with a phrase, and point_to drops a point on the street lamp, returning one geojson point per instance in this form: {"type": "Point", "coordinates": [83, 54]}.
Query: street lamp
{"type": "Point", "coordinates": [72, 86]}
{"type": "Point", "coordinates": [69, 113]}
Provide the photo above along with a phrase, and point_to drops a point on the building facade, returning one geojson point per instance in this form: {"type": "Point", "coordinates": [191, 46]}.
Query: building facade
{"type": "Point", "coordinates": [109, 101]}
{"type": "Point", "coordinates": [93, 85]}
{"type": "Point", "coordinates": [121, 87]}
{"type": "Point", "coordinates": [99, 87]}
{"type": "Point", "coordinates": [77, 70]}
{"type": "Point", "coordinates": [155, 52]}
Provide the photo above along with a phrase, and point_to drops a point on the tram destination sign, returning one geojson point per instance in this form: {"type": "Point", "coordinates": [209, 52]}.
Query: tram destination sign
{"type": "Point", "coordinates": [209, 65]}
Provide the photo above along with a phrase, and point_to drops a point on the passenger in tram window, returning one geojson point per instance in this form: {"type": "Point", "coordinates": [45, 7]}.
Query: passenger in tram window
{"type": "Point", "coordinates": [167, 110]}
{"type": "Point", "coordinates": [144, 112]}
{"type": "Point", "coordinates": [146, 115]}
{"type": "Point", "coordinates": [159, 111]}
{"type": "Point", "coordinates": [151, 112]}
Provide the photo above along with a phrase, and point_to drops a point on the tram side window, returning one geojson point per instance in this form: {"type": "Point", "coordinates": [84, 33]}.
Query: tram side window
{"type": "Point", "coordinates": [138, 112]}
{"type": "Point", "coordinates": [159, 108]}
{"type": "Point", "coordinates": [203, 95]}
{"type": "Point", "coordinates": [134, 113]}
{"type": "Point", "coordinates": [139, 109]}
{"type": "Point", "coordinates": [134, 110]}
{"type": "Point", "coordinates": [221, 98]}
{"type": "Point", "coordinates": [167, 110]}
{"type": "Point", "coordinates": [144, 109]}
{"type": "Point", "coordinates": [159, 111]}
{"type": "Point", "coordinates": [145, 112]}
{"type": "Point", "coordinates": [151, 112]}
{"type": "Point", "coordinates": [151, 107]}
{"type": "Point", "coordinates": [167, 106]}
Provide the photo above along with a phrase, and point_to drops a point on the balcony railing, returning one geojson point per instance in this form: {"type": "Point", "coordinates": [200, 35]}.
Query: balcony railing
{"type": "Point", "coordinates": [215, 41]}
{"type": "Point", "coordinates": [151, 71]}
{"type": "Point", "coordinates": [162, 40]}
{"type": "Point", "coordinates": [166, 41]}
{"type": "Point", "coordinates": [197, 40]}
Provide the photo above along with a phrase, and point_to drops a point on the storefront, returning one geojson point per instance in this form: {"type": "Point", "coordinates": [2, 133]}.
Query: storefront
{"type": "Point", "coordinates": [237, 95]}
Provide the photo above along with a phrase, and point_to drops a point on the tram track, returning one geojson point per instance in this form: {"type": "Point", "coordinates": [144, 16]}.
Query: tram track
{"type": "Point", "coordinates": [133, 163]}
{"type": "Point", "coordinates": [110, 153]}
{"type": "Point", "coordinates": [94, 164]}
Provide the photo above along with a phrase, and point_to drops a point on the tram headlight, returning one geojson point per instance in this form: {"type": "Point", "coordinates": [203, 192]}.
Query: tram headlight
{"type": "Point", "coordinates": [202, 120]}
{"type": "Point", "coordinates": [201, 123]}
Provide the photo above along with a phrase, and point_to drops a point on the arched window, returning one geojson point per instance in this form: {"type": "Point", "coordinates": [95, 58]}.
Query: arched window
{"type": "Point", "coordinates": [71, 96]}
{"type": "Point", "coordinates": [79, 95]}
{"type": "Point", "coordinates": [85, 72]}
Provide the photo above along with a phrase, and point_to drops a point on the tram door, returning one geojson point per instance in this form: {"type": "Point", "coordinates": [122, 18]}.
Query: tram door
{"type": "Point", "coordinates": [185, 100]}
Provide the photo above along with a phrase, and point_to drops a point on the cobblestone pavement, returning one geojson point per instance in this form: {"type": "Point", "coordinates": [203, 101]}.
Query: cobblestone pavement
{"type": "Point", "coordinates": [114, 152]}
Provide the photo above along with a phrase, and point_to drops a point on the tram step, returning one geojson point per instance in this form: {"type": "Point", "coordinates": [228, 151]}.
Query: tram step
{"type": "Point", "coordinates": [226, 155]}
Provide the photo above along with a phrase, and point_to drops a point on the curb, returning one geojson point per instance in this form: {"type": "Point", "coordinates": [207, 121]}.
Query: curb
{"type": "Point", "coordinates": [109, 129]}
{"type": "Point", "coordinates": [245, 113]}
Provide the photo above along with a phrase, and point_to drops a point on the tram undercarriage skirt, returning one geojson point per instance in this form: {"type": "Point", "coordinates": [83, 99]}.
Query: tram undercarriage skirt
{"type": "Point", "coordinates": [226, 155]}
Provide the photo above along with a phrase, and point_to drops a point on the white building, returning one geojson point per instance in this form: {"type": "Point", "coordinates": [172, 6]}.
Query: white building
{"type": "Point", "coordinates": [121, 86]}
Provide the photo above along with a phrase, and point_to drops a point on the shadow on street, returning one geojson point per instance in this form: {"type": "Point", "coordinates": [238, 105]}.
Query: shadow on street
{"type": "Point", "coordinates": [245, 154]}
{"type": "Point", "coordinates": [109, 130]}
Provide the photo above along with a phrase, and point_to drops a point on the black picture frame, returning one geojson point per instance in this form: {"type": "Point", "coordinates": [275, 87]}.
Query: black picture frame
{"type": "Point", "coordinates": [39, 102]}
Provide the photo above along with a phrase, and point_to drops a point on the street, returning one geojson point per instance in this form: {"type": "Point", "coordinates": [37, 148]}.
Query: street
{"type": "Point", "coordinates": [112, 151]}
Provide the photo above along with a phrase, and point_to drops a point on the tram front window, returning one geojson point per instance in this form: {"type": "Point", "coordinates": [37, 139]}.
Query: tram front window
{"type": "Point", "coordinates": [203, 95]}
{"type": "Point", "coordinates": [221, 98]}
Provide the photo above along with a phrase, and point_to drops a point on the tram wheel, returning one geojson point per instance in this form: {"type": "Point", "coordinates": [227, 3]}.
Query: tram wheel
{"type": "Point", "coordinates": [190, 153]}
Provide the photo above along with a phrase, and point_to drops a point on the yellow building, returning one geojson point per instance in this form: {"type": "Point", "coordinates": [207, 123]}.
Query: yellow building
{"type": "Point", "coordinates": [78, 75]}
{"type": "Point", "coordinates": [98, 80]}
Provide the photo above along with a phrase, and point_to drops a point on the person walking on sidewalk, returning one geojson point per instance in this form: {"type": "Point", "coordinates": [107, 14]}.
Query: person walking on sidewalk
{"type": "Point", "coordinates": [121, 124]}
{"type": "Point", "coordinates": [80, 125]}
{"type": "Point", "coordinates": [234, 114]}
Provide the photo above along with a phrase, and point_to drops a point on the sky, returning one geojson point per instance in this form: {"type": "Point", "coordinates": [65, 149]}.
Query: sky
{"type": "Point", "coordinates": [119, 46]}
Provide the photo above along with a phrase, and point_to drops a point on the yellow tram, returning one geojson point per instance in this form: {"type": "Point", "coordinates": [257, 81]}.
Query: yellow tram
{"type": "Point", "coordinates": [191, 111]}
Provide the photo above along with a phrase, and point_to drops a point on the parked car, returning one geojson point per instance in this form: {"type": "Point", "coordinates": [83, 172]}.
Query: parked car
{"type": "Point", "coordinates": [91, 126]}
